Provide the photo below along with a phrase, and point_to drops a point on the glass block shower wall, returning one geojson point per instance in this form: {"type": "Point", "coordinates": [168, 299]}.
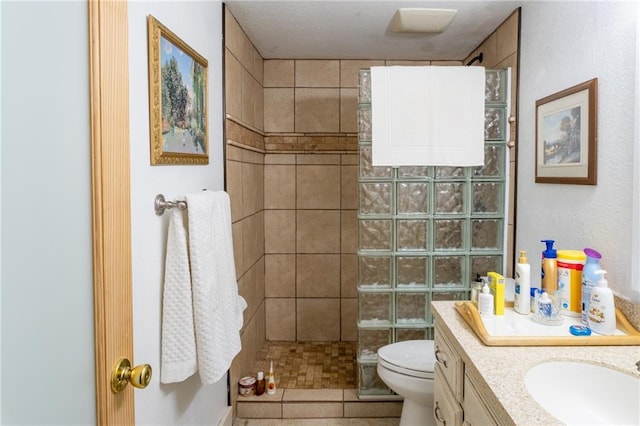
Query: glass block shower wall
{"type": "Point", "coordinates": [424, 233]}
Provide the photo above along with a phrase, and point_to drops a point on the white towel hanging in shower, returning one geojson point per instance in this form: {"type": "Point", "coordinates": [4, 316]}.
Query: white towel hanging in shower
{"type": "Point", "coordinates": [431, 115]}
{"type": "Point", "coordinates": [217, 306]}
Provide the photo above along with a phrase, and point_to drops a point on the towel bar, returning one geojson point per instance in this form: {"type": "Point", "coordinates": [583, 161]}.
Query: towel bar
{"type": "Point", "coordinates": [160, 205]}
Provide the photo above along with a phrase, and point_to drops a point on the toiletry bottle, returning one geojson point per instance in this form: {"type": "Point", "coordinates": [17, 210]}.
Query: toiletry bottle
{"type": "Point", "coordinates": [271, 382]}
{"type": "Point", "coordinates": [522, 297]}
{"type": "Point", "coordinates": [549, 276]}
{"type": "Point", "coordinates": [589, 280]}
{"type": "Point", "coordinates": [261, 384]}
{"type": "Point", "coordinates": [602, 313]}
{"type": "Point", "coordinates": [485, 302]}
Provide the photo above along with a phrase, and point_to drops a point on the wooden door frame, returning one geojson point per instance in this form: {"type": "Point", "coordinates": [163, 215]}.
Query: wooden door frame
{"type": "Point", "coordinates": [111, 204]}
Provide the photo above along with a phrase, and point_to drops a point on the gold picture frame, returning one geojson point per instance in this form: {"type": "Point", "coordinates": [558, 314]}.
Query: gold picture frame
{"type": "Point", "coordinates": [566, 135]}
{"type": "Point", "coordinates": [178, 99]}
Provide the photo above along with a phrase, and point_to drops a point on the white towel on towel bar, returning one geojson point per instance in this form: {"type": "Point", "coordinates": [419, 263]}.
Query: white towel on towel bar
{"type": "Point", "coordinates": [178, 358]}
{"type": "Point", "coordinates": [427, 116]}
{"type": "Point", "coordinates": [217, 306]}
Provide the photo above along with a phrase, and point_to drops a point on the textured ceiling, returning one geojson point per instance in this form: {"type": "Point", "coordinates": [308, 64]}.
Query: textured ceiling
{"type": "Point", "coordinates": [336, 29]}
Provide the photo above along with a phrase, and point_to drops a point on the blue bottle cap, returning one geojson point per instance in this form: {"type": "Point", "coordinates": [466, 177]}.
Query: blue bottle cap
{"type": "Point", "coordinates": [580, 330]}
{"type": "Point", "coordinates": [550, 252]}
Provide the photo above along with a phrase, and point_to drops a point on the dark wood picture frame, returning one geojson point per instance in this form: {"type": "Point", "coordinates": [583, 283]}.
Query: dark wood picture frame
{"type": "Point", "coordinates": [566, 135]}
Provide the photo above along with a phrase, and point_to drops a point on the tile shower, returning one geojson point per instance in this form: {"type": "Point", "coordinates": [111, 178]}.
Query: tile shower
{"type": "Point", "coordinates": [424, 233]}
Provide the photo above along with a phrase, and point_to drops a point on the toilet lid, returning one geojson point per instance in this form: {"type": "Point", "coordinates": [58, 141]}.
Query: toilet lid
{"type": "Point", "coordinates": [414, 357]}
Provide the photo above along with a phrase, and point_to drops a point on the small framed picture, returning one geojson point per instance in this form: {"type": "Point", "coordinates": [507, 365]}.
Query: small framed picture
{"type": "Point", "coordinates": [178, 96]}
{"type": "Point", "coordinates": [566, 136]}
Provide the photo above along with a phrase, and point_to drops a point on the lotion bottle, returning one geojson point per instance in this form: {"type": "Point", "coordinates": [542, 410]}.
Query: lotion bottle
{"type": "Point", "coordinates": [522, 299]}
{"type": "Point", "coordinates": [602, 313]}
{"type": "Point", "coordinates": [589, 280]}
{"type": "Point", "coordinates": [549, 273]}
{"type": "Point", "coordinates": [485, 302]}
{"type": "Point", "coordinates": [271, 382]}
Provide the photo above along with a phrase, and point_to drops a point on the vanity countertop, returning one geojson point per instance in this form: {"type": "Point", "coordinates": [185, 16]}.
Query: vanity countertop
{"type": "Point", "coordinates": [500, 370]}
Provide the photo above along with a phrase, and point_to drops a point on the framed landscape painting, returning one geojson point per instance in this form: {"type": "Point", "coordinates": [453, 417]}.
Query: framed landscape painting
{"type": "Point", "coordinates": [178, 96]}
{"type": "Point", "coordinates": [566, 136]}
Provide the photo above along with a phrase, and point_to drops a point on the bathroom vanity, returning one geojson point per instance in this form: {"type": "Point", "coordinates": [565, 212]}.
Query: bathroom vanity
{"type": "Point", "coordinates": [477, 384]}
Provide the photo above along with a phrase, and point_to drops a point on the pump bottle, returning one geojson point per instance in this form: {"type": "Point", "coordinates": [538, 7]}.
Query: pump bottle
{"type": "Point", "coordinates": [602, 313]}
{"type": "Point", "coordinates": [485, 302]}
{"type": "Point", "coordinates": [589, 280]}
{"type": "Point", "coordinates": [522, 299]}
{"type": "Point", "coordinates": [549, 276]}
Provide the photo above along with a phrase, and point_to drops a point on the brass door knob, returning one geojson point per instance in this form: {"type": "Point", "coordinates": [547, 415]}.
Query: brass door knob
{"type": "Point", "coordinates": [122, 374]}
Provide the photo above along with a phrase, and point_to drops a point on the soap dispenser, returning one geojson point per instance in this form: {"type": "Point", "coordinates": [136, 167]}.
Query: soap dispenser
{"type": "Point", "coordinates": [602, 313]}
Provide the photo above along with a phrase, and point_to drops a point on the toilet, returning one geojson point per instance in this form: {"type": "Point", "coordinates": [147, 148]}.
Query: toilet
{"type": "Point", "coordinates": [407, 368]}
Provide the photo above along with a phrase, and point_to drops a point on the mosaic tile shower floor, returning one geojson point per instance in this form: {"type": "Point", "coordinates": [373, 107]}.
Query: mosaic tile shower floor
{"type": "Point", "coordinates": [310, 365]}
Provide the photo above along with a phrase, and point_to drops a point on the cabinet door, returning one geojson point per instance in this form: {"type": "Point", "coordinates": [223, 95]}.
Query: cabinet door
{"type": "Point", "coordinates": [476, 412]}
{"type": "Point", "coordinates": [450, 362]}
{"type": "Point", "coordinates": [446, 409]}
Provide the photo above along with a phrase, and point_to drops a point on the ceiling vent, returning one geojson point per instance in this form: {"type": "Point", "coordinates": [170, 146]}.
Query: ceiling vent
{"type": "Point", "coordinates": [422, 20]}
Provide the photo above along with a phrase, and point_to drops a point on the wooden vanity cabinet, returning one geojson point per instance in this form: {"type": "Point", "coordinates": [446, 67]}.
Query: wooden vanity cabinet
{"type": "Point", "coordinates": [456, 397]}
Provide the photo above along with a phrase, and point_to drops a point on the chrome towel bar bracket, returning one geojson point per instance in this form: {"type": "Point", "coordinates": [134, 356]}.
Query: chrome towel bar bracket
{"type": "Point", "coordinates": [160, 205]}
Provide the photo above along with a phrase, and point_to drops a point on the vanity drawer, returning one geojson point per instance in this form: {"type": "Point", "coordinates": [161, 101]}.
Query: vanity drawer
{"type": "Point", "coordinates": [476, 412]}
{"type": "Point", "coordinates": [446, 409]}
{"type": "Point", "coordinates": [451, 364]}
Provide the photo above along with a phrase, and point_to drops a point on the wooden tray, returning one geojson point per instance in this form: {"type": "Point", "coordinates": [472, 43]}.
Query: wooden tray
{"type": "Point", "coordinates": [533, 334]}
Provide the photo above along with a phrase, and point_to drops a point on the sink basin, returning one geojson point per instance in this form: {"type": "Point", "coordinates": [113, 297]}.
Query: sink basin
{"type": "Point", "coordinates": [578, 393]}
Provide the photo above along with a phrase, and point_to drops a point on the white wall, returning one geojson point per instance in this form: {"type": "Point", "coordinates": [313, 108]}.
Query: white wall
{"type": "Point", "coordinates": [199, 24]}
{"type": "Point", "coordinates": [47, 282]}
{"type": "Point", "coordinates": [563, 44]}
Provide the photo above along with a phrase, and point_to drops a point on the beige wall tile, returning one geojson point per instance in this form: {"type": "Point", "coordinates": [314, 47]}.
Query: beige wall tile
{"type": "Point", "coordinates": [253, 238]}
{"type": "Point", "coordinates": [507, 37]}
{"type": "Point", "coordinates": [280, 231]}
{"type": "Point", "coordinates": [280, 275]}
{"type": "Point", "coordinates": [301, 395]}
{"type": "Point", "coordinates": [348, 319]}
{"type": "Point", "coordinates": [318, 319]}
{"type": "Point", "coordinates": [318, 187]}
{"type": "Point", "coordinates": [318, 275]}
{"type": "Point", "coordinates": [279, 187]}
{"type": "Point", "coordinates": [446, 63]}
{"type": "Point", "coordinates": [259, 410]}
{"type": "Point", "coordinates": [233, 34]}
{"type": "Point", "coordinates": [238, 246]}
{"type": "Point", "coordinates": [281, 319]}
{"type": "Point", "coordinates": [301, 410]}
{"type": "Point", "coordinates": [233, 86]}
{"type": "Point", "coordinates": [252, 101]}
{"type": "Point", "coordinates": [260, 284]}
{"type": "Point", "coordinates": [317, 110]}
{"type": "Point", "coordinates": [234, 189]}
{"type": "Point", "coordinates": [349, 71]}
{"type": "Point", "coordinates": [278, 110]}
{"type": "Point", "coordinates": [348, 110]}
{"type": "Point", "coordinates": [317, 159]}
{"type": "Point", "coordinates": [317, 73]}
{"type": "Point", "coordinates": [349, 275]}
{"type": "Point", "coordinates": [318, 231]}
{"type": "Point", "coordinates": [373, 409]}
{"type": "Point", "coordinates": [349, 231]}
{"type": "Point", "coordinates": [280, 159]}
{"type": "Point", "coordinates": [349, 159]}
{"type": "Point", "coordinates": [349, 187]}
{"type": "Point", "coordinates": [257, 70]}
{"type": "Point", "coordinates": [407, 63]}
{"type": "Point", "coordinates": [488, 49]}
{"type": "Point", "coordinates": [279, 73]}
{"type": "Point", "coordinates": [234, 153]}
{"type": "Point", "coordinates": [252, 188]}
